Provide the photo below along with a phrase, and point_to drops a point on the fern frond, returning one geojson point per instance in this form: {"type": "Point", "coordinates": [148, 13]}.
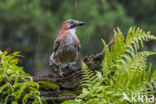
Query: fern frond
{"type": "Point", "coordinates": [135, 61]}
{"type": "Point", "coordinates": [136, 37]}
{"type": "Point", "coordinates": [127, 52]}
{"type": "Point", "coordinates": [88, 76]}
{"type": "Point", "coordinates": [139, 60]}
{"type": "Point", "coordinates": [107, 62]}
{"type": "Point", "coordinates": [118, 48]}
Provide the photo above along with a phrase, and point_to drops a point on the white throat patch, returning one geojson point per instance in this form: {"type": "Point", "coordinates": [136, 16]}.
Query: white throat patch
{"type": "Point", "coordinates": [73, 30]}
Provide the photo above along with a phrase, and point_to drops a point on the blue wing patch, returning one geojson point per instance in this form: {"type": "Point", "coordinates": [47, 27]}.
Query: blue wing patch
{"type": "Point", "coordinates": [56, 45]}
{"type": "Point", "coordinates": [54, 48]}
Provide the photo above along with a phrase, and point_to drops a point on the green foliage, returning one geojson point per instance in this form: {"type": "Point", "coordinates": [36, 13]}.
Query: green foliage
{"type": "Point", "coordinates": [31, 26]}
{"type": "Point", "coordinates": [15, 84]}
{"type": "Point", "coordinates": [125, 72]}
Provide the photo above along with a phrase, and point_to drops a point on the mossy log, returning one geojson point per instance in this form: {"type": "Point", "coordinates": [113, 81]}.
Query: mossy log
{"type": "Point", "coordinates": [57, 89]}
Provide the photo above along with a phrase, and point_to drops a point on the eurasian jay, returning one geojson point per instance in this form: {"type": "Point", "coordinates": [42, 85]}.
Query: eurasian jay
{"type": "Point", "coordinates": [67, 45]}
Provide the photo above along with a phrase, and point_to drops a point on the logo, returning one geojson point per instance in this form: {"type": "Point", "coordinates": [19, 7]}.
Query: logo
{"type": "Point", "coordinates": [138, 98]}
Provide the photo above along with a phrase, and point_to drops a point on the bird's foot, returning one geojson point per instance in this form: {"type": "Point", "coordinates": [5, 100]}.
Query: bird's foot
{"type": "Point", "coordinates": [62, 74]}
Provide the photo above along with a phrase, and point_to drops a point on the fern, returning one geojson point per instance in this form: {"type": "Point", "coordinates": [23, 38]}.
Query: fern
{"type": "Point", "coordinates": [124, 72]}
{"type": "Point", "coordinates": [10, 86]}
{"type": "Point", "coordinates": [90, 79]}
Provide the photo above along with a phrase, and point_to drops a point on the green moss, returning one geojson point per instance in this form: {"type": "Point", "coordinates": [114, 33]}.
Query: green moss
{"type": "Point", "coordinates": [68, 93]}
{"type": "Point", "coordinates": [76, 92]}
{"type": "Point", "coordinates": [48, 85]}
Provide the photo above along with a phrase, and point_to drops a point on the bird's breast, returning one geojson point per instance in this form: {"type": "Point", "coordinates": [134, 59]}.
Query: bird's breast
{"type": "Point", "coordinates": [69, 42]}
{"type": "Point", "coordinates": [68, 50]}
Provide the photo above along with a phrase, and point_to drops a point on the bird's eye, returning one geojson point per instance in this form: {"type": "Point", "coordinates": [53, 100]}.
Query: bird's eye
{"type": "Point", "coordinates": [71, 22]}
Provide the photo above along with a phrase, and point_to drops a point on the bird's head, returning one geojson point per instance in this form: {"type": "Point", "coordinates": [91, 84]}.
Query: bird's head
{"type": "Point", "coordinates": [71, 24]}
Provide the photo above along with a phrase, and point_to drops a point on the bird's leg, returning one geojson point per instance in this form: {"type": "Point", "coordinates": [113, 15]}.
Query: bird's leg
{"type": "Point", "coordinates": [60, 72]}
{"type": "Point", "coordinates": [72, 67]}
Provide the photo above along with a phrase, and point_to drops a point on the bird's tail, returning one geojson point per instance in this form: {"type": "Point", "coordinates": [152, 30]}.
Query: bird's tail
{"type": "Point", "coordinates": [51, 60]}
{"type": "Point", "coordinates": [52, 63]}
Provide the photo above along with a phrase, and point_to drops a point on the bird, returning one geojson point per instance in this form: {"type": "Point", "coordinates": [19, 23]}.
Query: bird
{"type": "Point", "coordinates": [66, 46]}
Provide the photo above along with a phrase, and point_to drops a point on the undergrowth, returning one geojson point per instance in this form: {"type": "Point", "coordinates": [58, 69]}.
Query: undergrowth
{"type": "Point", "coordinates": [125, 75]}
{"type": "Point", "coordinates": [15, 85]}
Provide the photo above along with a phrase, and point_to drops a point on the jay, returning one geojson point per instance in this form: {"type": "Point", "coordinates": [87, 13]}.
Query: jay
{"type": "Point", "coordinates": [66, 46]}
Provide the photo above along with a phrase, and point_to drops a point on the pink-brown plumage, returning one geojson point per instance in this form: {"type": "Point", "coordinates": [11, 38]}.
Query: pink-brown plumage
{"type": "Point", "coordinates": [67, 45]}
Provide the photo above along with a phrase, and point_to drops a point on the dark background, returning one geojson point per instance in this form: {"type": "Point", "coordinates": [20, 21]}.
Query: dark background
{"type": "Point", "coordinates": [31, 26]}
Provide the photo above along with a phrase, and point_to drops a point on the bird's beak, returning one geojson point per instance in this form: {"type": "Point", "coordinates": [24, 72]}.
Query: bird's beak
{"type": "Point", "coordinates": [80, 23]}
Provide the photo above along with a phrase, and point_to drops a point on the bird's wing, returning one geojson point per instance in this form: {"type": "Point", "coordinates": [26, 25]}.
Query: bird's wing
{"type": "Point", "coordinates": [79, 45]}
{"type": "Point", "coordinates": [56, 44]}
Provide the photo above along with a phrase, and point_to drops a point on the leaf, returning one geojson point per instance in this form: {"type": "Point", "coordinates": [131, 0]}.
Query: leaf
{"type": "Point", "coordinates": [4, 86]}
{"type": "Point", "coordinates": [25, 98]}
{"type": "Point", "coordinates": [14, 102]}
{"type": "Point", "coordinates": [153, 77]}
{"type": "Point", "coordinates": [71, 102]}
{"type": "Point", "coordinates": [11, 72]}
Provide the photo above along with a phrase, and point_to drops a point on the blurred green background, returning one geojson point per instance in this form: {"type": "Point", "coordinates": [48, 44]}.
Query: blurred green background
{"type": "Point", "coordinates": [31, 26]}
